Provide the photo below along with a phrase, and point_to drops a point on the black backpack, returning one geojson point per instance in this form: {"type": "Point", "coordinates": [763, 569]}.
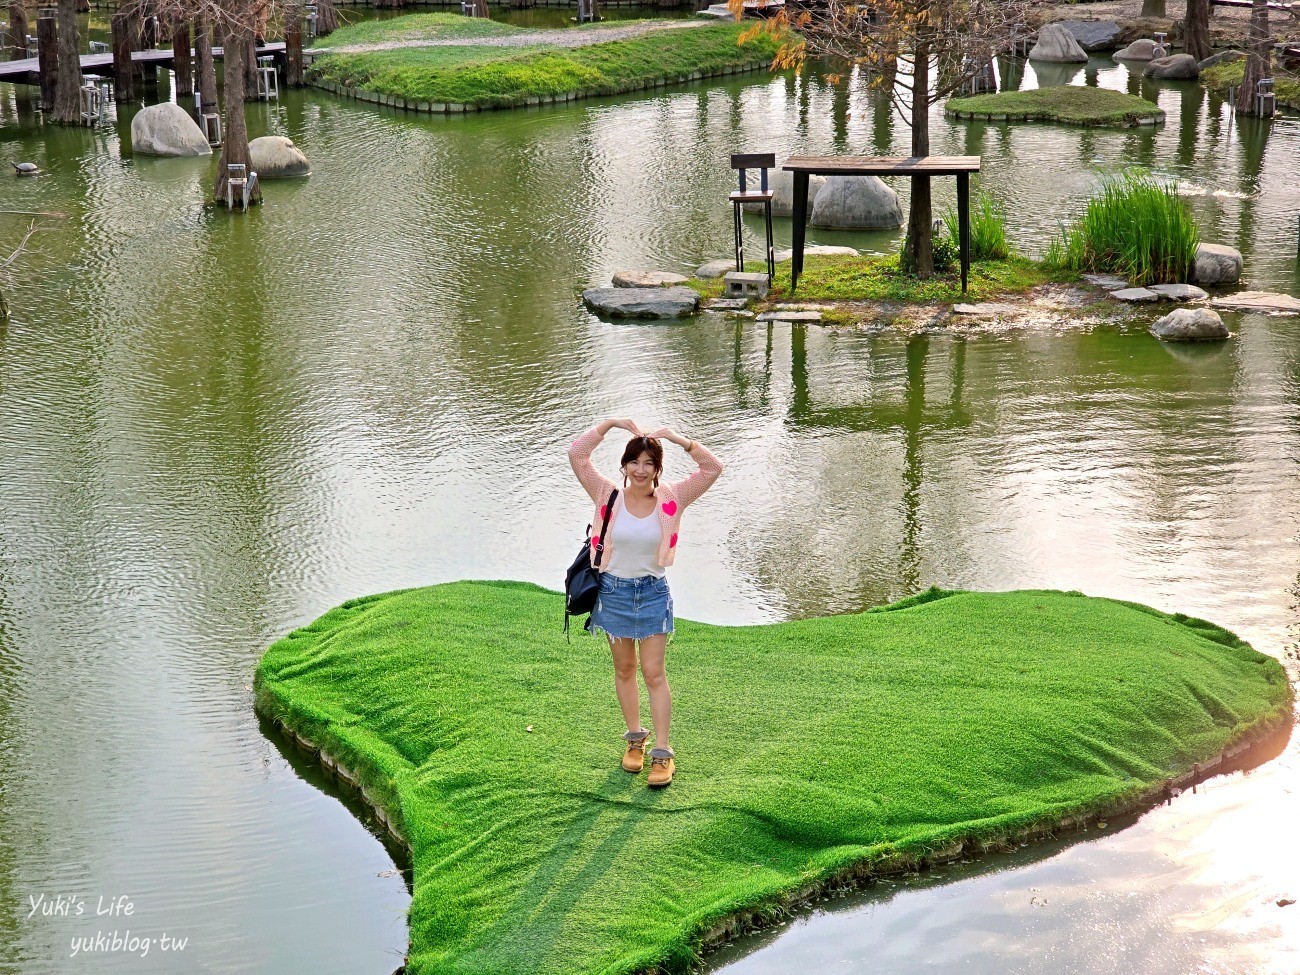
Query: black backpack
{"type": "Point", "coordinates": [582, 581]}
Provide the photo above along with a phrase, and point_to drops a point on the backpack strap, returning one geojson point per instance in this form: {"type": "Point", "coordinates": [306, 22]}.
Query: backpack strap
{"type": "Point", "coordinates": [604, 527]}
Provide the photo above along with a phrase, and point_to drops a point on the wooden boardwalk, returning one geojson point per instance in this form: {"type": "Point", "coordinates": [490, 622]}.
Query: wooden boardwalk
{"type": "Point", "coordinates": [27, 71]}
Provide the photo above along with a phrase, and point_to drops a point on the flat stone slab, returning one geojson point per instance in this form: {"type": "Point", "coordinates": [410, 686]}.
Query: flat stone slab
{"type": "Point", "coordinates": [647, 279]}
{"type": "Point", "coordinates": [1179, 292]}
{"type": "Point", "coordinates": [670, 302]}
{"type": "Point", "coordinates": [715, 269]}
{"type": "Point", "coordinates": [726, 303]}
{"type": "Point", "coordinates": [790, 316]}
{"type": "Point", "coordinates": [984, 308]}
{"type": "Point", "coordinates": [818, 250]}
{"type": "Point", "coordinates": [1265, 301]}
{"type": "Point", "coordinates": [1135, 294]}
{"type": "Point", "coordinates": [1107, 281]}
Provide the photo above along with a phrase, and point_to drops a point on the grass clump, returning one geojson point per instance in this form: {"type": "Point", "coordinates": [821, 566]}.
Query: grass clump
{"type": "Point", "coordinates": [1226, 75]}
{"type": "Point", "coordinates": [1136, 226]}
{"type": "Point", "coordinates": [988, 230]}
{"type": "Point", "coordinates": [1072, 104]}
{"type": "Point", "coordinates": [951, 716]}
{"type": "Point", "coordinates": [497, 77]}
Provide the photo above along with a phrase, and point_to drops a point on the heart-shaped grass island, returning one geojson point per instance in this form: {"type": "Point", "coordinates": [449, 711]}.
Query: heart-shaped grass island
{"type": "Point", "coordinates": [809, 753]}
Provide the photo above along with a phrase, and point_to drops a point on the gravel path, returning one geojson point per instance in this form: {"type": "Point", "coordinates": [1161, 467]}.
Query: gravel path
{"type": "Point", "coordinates": [532, 38]}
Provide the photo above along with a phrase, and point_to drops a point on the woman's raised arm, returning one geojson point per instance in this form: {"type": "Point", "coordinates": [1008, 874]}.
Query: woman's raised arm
{"type": "Point", "coordinates": [580, 451]}
{"type": "Point", "coordinates": [708, 468]}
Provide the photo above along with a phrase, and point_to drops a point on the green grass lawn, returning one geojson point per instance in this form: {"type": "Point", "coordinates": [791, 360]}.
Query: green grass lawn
{"type": "Point", "coordinates": [505, 76]}
{"type": "Point", "coordinates": [1065, 103]}
{"type": "Point", "coordinates": [804, 748]}
{"type": "Point", "coordinates": [1228, 74]}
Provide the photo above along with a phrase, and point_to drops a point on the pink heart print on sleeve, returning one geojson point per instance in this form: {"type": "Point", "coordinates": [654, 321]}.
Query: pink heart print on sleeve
{"type": "Point", "coordinates": [603, 509]}
{"type": "Point", "coordinates": [672, 541]}
{"type": "Point", "coordinates": [595, 540]}
{"type": "Point", "coordinates": [670, 508]}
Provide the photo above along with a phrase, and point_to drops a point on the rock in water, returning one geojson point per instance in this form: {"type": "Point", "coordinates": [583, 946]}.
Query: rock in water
{"type": "Point", "coordinates": [1189, 325]}
{"type": "Point", "coordinates": [1055, 43]}
{"type": "Point", "coordinates": [1140, 50]}
{"type": "Point", "coordinates": [646, 279]}
{"type": "Point", "coordinates": [167, 130]}
{"type": "Point", "coordinates": [674, 302]}
{"type": "Point", "coordinates": [782, 186]}
{"type": "Point", "coordinates": [274, 156]}
{"type": "Point", "coordinates": [1265, 301]}
{"type": "Point", "coordinates": [1219, 58]}
{"type": "Point", "coordinates": [716, 269]}
{"type": "Point", "coordinates": [1176, 67]}
{"type": "Point", "coordinates": [1179, 292]}
{"type": "Point", "coordinates": [856, 203]}
{"type": "Point", "coordinates": [1093, 35]}
{"type": "Point", "coordinates": [1135, 295]}
{"type": "Point", "coordinates": [1216, 264]}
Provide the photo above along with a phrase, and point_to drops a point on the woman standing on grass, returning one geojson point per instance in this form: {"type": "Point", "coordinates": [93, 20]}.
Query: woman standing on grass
{"type": "Point", "coordinates": [634, 604]}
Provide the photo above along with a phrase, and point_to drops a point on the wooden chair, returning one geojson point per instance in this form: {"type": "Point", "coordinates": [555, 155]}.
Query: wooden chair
{"type": "Point", "coordinates": [762, 161]}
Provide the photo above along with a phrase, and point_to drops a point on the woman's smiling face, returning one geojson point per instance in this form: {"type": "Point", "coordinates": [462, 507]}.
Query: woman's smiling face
{"type": "Point", "coordinates": [641, 471]}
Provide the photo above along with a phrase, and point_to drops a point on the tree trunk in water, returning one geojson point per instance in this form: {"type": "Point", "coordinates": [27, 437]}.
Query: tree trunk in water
{"type": "Point", "coordinates": [1259, 60]}
{"type": "Point", "coordinates": [250, 69]}
{"type": "Point", "coordinates": [235, 147]}
{"type": "Point", "coordinates": [47, 59]}
{"type": "Point", "coordinates": [481, 8]}
{"type": "Point", "coordinates": [327, 17]}
{"type": "Point", "coordinates": [918, 252]}
{"type": "Point", "coordinates": [207, 69]}
{"type": "Point", "coordinates": [1196, 29]}
{"type": "Point", "coordinates": [17, 39]}
{"type": "Point", "coordinates": [67, 97]}
{"type": "Point", "coordinates": [293, 75]}
{"type": "Point", "coordinates": [1153, 8]}
{"type": "Point", "coordinates": [182, 62]}
{"type": "Point", "coordinates": [123, 75]}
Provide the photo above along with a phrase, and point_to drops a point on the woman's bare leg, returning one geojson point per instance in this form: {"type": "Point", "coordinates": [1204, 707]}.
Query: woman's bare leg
{"type": "Point", "coordinates": [656, 683]}
{"type": "Point", "coordinates": [629, 695]}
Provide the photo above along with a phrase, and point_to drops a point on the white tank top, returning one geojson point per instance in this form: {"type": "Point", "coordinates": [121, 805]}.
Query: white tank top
{"type": "Point", "coordinates": [636, 544]}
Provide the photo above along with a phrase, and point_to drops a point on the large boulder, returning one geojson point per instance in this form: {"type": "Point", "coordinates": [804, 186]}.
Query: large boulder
{"type": "Point", "coordinates": [1189, 325]}
{"type": "Point", "coordinates": [1221, 57]}
{"type": "Point", "coordinates": [1216, 264]}
{"type": "Point", "coordinates": [1143, 49]}
{"type": "Point", "coordinates": [1055, 43]}
{"type": "Point", "coordinates": [1093, 35]}
{"type": "Point", "coordinates": [782, 186]}
{"type": "Point", "coordinates": [1176, 67]}
{"type": "Point", "coordinates": [856, 203]}
{"type": "Point", "coordinates": [274, 156]}
{"type": "Point", "coordinates": [167, 130]}
{"type": "Point", "coordinates": [675, 302]}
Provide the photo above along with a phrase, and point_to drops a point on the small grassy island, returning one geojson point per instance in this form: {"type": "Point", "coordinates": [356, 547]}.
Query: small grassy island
{"type": "Point", "coordinates": [1227, 75]}
{"type": "Point", "coordinates": [448, 63]}
{"type": "Point", "coordinates": [1071, 104]}
{"type": "Point", "coordinates": [810, 753]}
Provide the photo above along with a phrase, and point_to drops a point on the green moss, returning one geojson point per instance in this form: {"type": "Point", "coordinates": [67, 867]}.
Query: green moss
{"type": "Point", "coordinates": [804, 748]}
{"type": "Point", "coordinates": [1226, 75]}
{"type": "Point", "coordinates": [1064, 103]}
{"type": "Point", "coordinates": [504, 76]}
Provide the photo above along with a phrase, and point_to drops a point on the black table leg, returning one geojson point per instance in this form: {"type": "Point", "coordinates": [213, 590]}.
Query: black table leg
{"type": "Point", "coordinates": [771, 254]}
{"type": "Point", "coordinates": [963, 224]}
{"type": "Point", "coordinates": [740, 236]}
{"type": "Point", "coordinates": [800, 218]}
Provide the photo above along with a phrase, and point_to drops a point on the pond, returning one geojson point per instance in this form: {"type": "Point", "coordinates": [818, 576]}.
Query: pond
{"type": "Point", "coordinates": [214, 427]}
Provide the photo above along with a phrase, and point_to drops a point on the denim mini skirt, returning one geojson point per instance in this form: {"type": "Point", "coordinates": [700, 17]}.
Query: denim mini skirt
{"type": "Point", "coordinates": [633, 608]}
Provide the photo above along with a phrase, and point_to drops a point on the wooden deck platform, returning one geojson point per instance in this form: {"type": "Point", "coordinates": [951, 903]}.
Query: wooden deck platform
{"type": "Point", "coordinates": [27, 71]}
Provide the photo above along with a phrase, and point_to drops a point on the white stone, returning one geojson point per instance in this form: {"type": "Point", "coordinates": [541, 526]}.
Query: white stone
{"type": "Point", "coordinates": [647, 279]}
{"type": "Point", "coordinates": [1217, 264]}
{"type": "Point", "coordinates": [167, 130]}
{"type": "Point", "coordinates": [1277, 304]}
{"type": "Point", "coordinates": [781, 184]}
{"type": "Point", "coordinates": [856, 203]}
{"type": "Point", "coordinates": [274, 157]}
{"type": "Point", "coordinates": [1189, 325]}
{"type": "Point", "coordinates": [1055, 43]}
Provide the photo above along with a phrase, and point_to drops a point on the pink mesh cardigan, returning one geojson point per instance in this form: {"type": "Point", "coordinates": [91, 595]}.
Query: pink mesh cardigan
{"type": "Point", "coordinates": [672, 498]}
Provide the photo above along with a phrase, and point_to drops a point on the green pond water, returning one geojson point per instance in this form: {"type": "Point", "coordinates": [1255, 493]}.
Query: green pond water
{"type": "Point", "coordinates": [214, 427]}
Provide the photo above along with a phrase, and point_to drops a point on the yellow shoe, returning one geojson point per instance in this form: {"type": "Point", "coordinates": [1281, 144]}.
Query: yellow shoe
{"type": "Point", "coordinates": [634, 758]}
{"type": "Point", "coordinates": [661, 767]}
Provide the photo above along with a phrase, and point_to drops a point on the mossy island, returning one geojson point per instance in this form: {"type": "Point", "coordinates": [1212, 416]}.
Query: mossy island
{"type": "Point", "coordinates": [812, 753]}
{"type": "Point", "coordinates": [1067, 104]}
{"type": "Point", "coordinates": [445, 63]}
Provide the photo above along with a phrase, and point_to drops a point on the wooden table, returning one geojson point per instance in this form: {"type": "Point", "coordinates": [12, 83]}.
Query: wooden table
{"type": "Point", "coordinates": [805, 166]}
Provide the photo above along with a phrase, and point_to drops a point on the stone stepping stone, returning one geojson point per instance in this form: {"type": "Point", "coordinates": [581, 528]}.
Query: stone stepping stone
{"type": "Point", "coordinates": [1179, 292]}
{"type": "Point", "coordinates": [790, 316]}
{"type": "Point", "coordinates": [726, 304]}
{"type": "Point", "coordinates": [1135, 295]}
{"type": "Point", "coordinates": [1265, 301]}
{"type": "Point", "coordinates": [1107, 281]}
{"type": "Point", "coordinates": [669, 302]}
{"type": "Point", "coordinates": [715, 269]}
{"type": "Point", "coordinates": [818, 250]}
{"type": "Point", "coordinates": [647, 279]}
